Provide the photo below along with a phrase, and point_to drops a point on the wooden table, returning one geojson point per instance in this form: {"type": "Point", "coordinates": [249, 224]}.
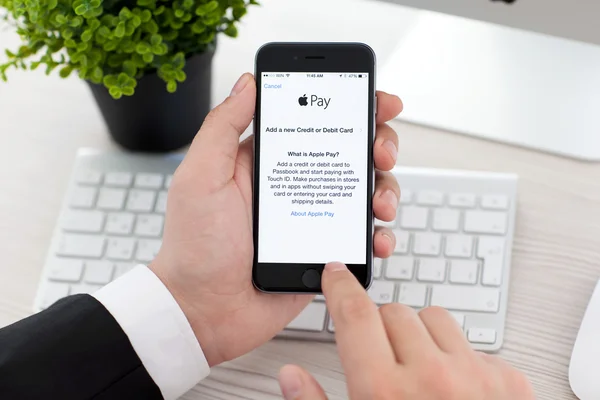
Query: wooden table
{"type": "Point", "coordinates": [556, 258]}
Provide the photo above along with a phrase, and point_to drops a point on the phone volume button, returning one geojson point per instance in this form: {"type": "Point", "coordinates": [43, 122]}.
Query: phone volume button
{"type": "Point", "coordinates": [376, 101]}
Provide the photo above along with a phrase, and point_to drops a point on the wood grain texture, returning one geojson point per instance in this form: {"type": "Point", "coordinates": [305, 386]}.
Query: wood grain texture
{"type": "Point", "coordinates": [556, 257]}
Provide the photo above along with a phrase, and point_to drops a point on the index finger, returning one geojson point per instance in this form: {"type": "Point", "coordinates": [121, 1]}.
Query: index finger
{"type": "Point", "coordinates": [388, 106]}
{"type": "Point", "coordinates": [360, 335]}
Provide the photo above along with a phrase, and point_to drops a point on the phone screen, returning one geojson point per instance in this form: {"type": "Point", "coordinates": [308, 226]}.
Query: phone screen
{"type": "Point", "coordinates": [314, 167]}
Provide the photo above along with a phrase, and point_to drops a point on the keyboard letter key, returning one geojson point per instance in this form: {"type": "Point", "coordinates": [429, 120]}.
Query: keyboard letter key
{"type": "Point", "coordinates": [83, 197]}
{"type": "Point", "coordinates": [111, 199]}
{"type": "Point", "coordinates": [445, 220]}
{"type": "Point", "coordinates": [120, 248]}
{"type": "Point", "coordinates": [148, 181]}
{"type": "Point", "coordinates": [463, 271]}
{"type": "Point", "coordinates": [414, 217]}
{"type": "Point", "coordinates": [402, 240]}
{"type": "Point", "coordinates": [149, 225]}
{"type": "Point", "coordinates": [119, 223]}
{"type": "Point", "coordinates": [460, 246]}
{"type": "Point", "coordinates": [399, 267]}
{"type": "Point", "coordinates": [412, 294]}
{"type": "Point", "coordinates": [98, 272]}
{"type": "Point", "coordinates": [118, 179]}
{"type": "Point", "coordinates": [140, 200]}
{"type": "Point", "coordinates": [427, 244]}
{"type": "Point", "coordinates": [432, 270]}
{"type": "Point", "coordinates": [465, 298]}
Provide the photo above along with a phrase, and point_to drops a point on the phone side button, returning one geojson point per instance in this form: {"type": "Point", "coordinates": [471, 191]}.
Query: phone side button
{"type": "Point", "coordinates": [311, 278]}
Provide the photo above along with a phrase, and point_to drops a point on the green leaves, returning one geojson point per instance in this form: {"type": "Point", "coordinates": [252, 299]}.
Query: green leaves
{"type": "Point", "coordinates": [107, 43]}
{"type": "Point", "coordinates": [119, 85]}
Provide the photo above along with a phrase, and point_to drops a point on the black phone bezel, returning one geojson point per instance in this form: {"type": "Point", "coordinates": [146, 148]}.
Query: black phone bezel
{"type": "Point", "coordinates": [311, 57]}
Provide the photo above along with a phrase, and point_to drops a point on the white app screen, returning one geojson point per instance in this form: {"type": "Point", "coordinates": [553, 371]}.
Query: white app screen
{"type": "Point", "coordinates": [313, 168]}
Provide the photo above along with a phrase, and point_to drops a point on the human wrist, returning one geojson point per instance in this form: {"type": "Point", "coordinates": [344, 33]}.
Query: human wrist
{"type": "Point", "coordinates": [200, 325]}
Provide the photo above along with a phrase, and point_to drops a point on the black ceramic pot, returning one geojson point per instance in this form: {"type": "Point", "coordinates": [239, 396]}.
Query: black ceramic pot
{"type": "Point", "coordinates": [154, 120]}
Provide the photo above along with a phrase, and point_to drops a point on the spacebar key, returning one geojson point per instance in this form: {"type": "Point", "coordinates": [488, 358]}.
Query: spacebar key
{"type": "Point", "coordinates": [466, 298]}
{"type": "Point", "coordinates": [81, 246]}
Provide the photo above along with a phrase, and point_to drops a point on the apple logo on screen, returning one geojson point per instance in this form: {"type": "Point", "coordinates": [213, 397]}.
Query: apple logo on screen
{"type": "Point", "coordinates": [302, 100]}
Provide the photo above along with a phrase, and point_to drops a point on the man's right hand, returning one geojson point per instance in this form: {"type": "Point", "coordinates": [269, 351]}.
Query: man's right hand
{"type": "Point", "coordinates": [396, 353]}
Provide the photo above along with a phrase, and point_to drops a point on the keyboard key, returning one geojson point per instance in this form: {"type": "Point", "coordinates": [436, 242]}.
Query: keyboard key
{"type": "Point", "coordinates": [168, 181]}
{"type": "Point", "coordinates": [430, 198]}
{"type": "Point", "coordinates": [65, 269]}
{"type": "Point", "coordinates": [98, 272]}
{"type": "Point", "coordinates": [412, 294]}
{"type": "Point", "coordinates": [330, 326]}
{"type": "Point", "coordinates": [405, 196]}
{"type": "Point", "coordinates": [490, 247]}
{"type": "Point", "coordinates": [381, 292]}
{"type": "Point", "coordinates": [312, 318]}
{"type": "Point", "coordinates": [72, 245]}
{"type": "Point", "coordinates": [459, 246]}
{"type": "Point", "coordinates": [490, 222]}
{"type": "Point", "coordinates": [427, 244]}
{"type": "Point", "coordinates": [432, 270]}
{"type": "Point", "coordinates": [402, 241]}
{"type": "Point", "coordinates": [462, 200]}
{"type": "Point", "coordinates": [149, 225]}
{"type": "Point", "coordinates": [83, 197]}
{"type": "Point", "coordinates": [481, 335]}
{"type": "Point", "coordinates": [412, 217]}
{"type": "Point", "coordinates": [118, 179]}
{"type": "Point", "coordinates": [445, 220]}
{"type": "Point", "coordinates": [148, 181]}
{"type": "Point", "coordinates": [140, 200]}
{"type": "Point", "coordinates": [491, 250]}
{"type": "Point", "coordinates": [377, 262]}
{"type": "Point", "coordinates": [111, 199]}
{"type": "Point", "coordinates": [121, 268]}
{"type": "Point", "coordinates": [494, 202]}
{"type": "Point", "coordinates": [120, 248]}
{"type": "Point", "coordinates": [147, 249]}
{"type": "Point", "coordinates": [465, 298]}
{"type": "Point", "coordinates": [54, 291]}
{"type": "Point", "coordinates": [387, 224]}
{"type": "Point", "coordinates": [463, 271]}
{"type": "Point", "coordinates": [83, 288]}
{"type": "Point", "coordinates": [119, 223]}
{"type": "Point", "coordinates": [88, 177]}
{"type": "Point", "coordinates": [460, 319]}
{"type": "Point", "coordinates": [400, 268]}
{"type": "Point", "coordinates": [83, 221]}
{"type": "Point", "coordinates": [161, 202]}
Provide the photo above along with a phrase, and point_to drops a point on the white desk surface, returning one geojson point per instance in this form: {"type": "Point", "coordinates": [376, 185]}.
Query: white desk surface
{"type": "Point", "coordinates": [556, 258]}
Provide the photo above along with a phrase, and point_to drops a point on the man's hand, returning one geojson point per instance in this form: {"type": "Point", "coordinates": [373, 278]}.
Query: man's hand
{"type": "Point", "coordinates": [206, 257]}
{"type": "Point", "coordinates": [395, 353]}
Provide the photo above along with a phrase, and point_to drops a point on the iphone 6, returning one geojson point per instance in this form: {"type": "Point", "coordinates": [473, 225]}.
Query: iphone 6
{"type": "Point", "coordinates": [313, 163]}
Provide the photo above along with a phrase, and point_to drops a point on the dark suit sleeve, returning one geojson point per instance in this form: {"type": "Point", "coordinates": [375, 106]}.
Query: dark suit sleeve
{"type": "Point", "coordinates": [74, 350]}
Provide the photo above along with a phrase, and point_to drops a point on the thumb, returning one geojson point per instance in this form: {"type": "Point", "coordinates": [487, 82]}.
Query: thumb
{"type": "Point", "coordinates": [214, 149]}
{"type": "Point", "coordinates": [297, 384]}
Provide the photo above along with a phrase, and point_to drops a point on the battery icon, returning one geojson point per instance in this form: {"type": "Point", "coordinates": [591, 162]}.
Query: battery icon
{"type": "Point", "coordinates": [360, 75]}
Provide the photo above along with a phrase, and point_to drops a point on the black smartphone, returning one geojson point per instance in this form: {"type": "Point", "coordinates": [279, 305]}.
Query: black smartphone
{"type": "Point", "coordinates": [313, 163]}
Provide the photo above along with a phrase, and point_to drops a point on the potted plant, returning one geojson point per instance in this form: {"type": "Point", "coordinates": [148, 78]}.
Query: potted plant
{"type": "Point", "coordinates": [147, 62]}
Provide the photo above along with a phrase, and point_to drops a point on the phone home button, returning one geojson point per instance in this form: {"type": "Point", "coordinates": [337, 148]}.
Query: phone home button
{"type": "Point", "coordinates": [311, 278]}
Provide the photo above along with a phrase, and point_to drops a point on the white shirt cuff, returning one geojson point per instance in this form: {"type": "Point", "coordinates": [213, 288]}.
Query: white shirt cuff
{"type": "Point", "coordinates": [157, 329]}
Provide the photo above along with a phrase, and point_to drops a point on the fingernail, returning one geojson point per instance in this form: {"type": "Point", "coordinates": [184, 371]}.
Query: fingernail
{"type": "Point", "coordinates": [390, 197]}
{"type": "Point", "coordinates": [335, 266]}
{"type": "Point", "coordinates": [388, 237]}
{"type": "Point", "coordinates": [391, 148]}
{"type": "Point", "coordinates": [291, 384]}
{"type": "Point", "coordinates": [240, 84]}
